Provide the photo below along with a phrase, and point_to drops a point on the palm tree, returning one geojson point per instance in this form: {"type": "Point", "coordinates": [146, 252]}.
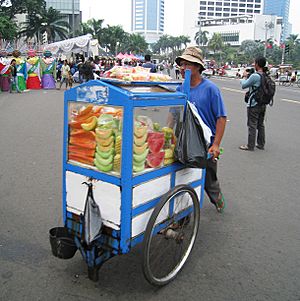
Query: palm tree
{"type": "Point", "coordinates": [134, 43]}
{"type": "Point", "coordinates": [216, 43]}
{"type": "Point", "coordinates": [112, 36]}
{"type": "Point", "coordinates": [49, 21]}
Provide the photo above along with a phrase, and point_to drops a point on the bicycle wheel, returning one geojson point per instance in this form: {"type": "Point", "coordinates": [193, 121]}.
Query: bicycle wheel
{"type": "Point", "coordinates": [170, 235]}
{"type": "Point", "coordinates": [287, 83]}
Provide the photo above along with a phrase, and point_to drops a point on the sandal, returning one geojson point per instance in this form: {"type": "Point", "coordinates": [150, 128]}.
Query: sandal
{"type": "Point", "coordinates": [246, 147]}
{"type": "Point", "coordinates": [220, 203]}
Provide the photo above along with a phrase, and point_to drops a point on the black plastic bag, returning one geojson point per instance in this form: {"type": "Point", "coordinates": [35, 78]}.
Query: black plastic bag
{"type": "Point", "coordinates": [191, 147]}
{"type": "Point", "coordinates": [92, 217]}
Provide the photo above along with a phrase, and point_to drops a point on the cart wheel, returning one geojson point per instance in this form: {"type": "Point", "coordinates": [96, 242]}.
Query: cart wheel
{"type": "Point", "coordinates": [93, 273]}
{"type": "Point", "coordinates": [170, 234]}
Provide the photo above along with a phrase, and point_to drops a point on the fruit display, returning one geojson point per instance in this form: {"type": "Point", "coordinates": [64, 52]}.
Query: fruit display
{"type": "Point", "coordinates": [127, 73]}
{"type": "Point", "coordinates": [140, 146]}
{"type": "Point", "coordinates": [95, 139]}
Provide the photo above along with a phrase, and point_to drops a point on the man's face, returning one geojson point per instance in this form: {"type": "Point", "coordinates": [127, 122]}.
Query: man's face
{"type": "Point", "coordinates": [186, 65]}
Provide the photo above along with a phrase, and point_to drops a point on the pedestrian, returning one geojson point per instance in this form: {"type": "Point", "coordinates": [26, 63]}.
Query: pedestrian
{"type": "Point", "coordinates": [70, 80]}
{"type": "Point", "coordinates": [255, 112]}
{"type": "Point", "coordinates": [208, 100]}
{"type": "Point", "coordinates": [13, 76]}
{"type": "Point", "coordinates": [149, 64]}
{"type": "Point", "coordinates": [65, 69]}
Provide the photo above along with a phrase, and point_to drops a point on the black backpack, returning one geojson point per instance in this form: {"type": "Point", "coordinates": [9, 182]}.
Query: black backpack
{"type": "Point", "coordinates": [265, 92]}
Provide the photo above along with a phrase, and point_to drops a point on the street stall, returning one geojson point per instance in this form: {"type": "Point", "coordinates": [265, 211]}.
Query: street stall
{"type": "Point", "coordinates": [121, 183]}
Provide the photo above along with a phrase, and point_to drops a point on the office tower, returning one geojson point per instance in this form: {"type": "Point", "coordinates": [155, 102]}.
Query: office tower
{"type": "Point", "coordinates": [70, 9]}
{"type": "Point", "coordinates": [279, 8]}
{"type": "Point", "coordinates": [229, 8]}
{"type": "Point", "coordinates": [147, 19]}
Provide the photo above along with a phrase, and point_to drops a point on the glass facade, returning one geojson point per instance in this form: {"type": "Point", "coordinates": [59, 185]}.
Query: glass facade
{"type": "Point", "coordinates": [279, 8]}
{"type": "Point", "coordinates": [147, 17]}
{"type": "Point", "coordinates": [229, 8]}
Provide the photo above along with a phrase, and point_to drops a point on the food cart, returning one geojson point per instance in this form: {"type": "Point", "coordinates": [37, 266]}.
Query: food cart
{"type": "Point", "coordinates": [118, 153]}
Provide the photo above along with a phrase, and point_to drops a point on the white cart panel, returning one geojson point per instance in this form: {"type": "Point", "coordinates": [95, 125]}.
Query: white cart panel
{"type": "Point", "coordinates": [106, 195]}
{"type": "Point", "coordinates": [150, 190]}
{"type": "Point", "coordinates": [188, 175]}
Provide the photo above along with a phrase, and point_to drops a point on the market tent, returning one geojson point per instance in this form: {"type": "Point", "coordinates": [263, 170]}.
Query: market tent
{"type": "Point", "coordinates": [77, 44]}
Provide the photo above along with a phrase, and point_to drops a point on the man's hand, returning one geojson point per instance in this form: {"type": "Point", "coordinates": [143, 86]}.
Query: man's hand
{"type": "Point", "coordinates": [214, 150]}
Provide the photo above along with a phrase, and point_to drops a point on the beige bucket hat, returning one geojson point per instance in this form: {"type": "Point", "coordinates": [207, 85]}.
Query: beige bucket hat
{"type": "Point", "coordinates": [191, 54]}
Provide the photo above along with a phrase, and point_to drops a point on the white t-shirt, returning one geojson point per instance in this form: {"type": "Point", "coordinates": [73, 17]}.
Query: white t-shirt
{"type": "Point", "coordinates": [65, 69]}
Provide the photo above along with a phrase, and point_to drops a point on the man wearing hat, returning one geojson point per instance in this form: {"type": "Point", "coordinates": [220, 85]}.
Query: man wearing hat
{"type": "Point", "coordinates": [206, 96]}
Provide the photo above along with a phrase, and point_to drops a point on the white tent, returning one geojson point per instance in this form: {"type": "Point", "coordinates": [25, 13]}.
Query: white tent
{"type": "Point", "coordinates": [78, 44]}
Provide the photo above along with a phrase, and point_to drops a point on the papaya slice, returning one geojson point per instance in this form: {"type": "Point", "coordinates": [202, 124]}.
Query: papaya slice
{"type": "Point", "coordinates": [104, 168]}
{"type": "Point", "coordinates": [140, 158]}
{"type": "Point", "coordinates": [140, 131]}
{"type": "Point", "coordinates": [140, 149]}
{"type": "Point", "coordinates": [85, 110]}
{"type": "Point", "coordinates": [81, 133]}
{"type": "Point", "coordinates": [90, 123]}
{"type": "Point", "coordinates": [81, 150]}
{"type": "Point", "coordinates": [103, 161]}
{"type": "Point", "coordinates": [103, 133]}
{"type": "Point", "coordinates": [75, 124]}
{"type": "Point", "coordinates": [83, 118]}
{"type": "Point", "coordinates": [105, 148]}
{"type": "Point", "coordinates": [83, 143]}
{"type": "Point", "coordinates": [104, 155]}
{"type": "Point", "coordinates": [140, 141]}
{"type": "Point", "coordinates": [105, 142]}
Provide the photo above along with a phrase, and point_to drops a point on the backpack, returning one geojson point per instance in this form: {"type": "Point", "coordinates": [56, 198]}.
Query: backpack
{"type": "Point", "coordinates": [265, 93]}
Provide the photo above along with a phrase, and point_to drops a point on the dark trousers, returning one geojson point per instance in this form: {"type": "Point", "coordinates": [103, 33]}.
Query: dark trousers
{"type": "Point", "coordinates": [256, 118]}
{"type": "Point", "coordinates": [212, 186]}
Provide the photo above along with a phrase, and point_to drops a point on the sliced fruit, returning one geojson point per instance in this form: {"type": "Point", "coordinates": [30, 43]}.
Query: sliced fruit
{"type": "Point", "coordinates": [80, 133]}
{"type": "Point", "coordinates": [103, 161]}
{"type": "Point", "coordinates": [169, 153]}
{"type": "Point", "coordinates": [140, 141]}
{"type": "Point", "coordinates": [140, 158]}
{"type": "Point", "coordinates": [105, 148]}
{"type": "Point", "coordinates": [118, 145]}
{"type": "Point", "coordinates": [117, 162]}
{"type": "Point", "coordinates": [155, 144]}
{"type": "Point", "coordinates": [75, 124]}
{"type": "Point", "coordinates": [105, 155]}
{"type": "Point", "coordinates": [169, 161]}
{"type": "Point", "coordinates": [104, 168]}
{"type": "Point", "coordinates": [138, 168]}
{"type": "Point", "coordinates": [155, 159]}
{"type": "Point", "coordinates": [81, 150]}
{"type": "Point", "coordinates": [85, 110]}
{"type": "Point", "coordinates": [90, 124]}
{"type": "Point", "coordinates": [156, 135]}
{"type": "Point", "coordinates": [105, 142]}
{"type": "Point", "coordinates": [103, 133]}
{"type": "Point", "coordinates": [140, 131]}
{"type": "Point", "coordinates": [140, 149]}
{"type": "Point", "coordinates": [105, 121]}
{"type": "Point", "coordinates": [83, 143]}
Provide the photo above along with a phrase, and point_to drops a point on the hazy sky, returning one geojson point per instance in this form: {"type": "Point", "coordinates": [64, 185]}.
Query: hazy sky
{"type": "Point", "coordinates": [118, 12]}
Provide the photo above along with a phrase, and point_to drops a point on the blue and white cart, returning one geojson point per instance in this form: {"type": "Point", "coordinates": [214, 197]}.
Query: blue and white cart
{"type": "Point", "coordinates": [159, 207]}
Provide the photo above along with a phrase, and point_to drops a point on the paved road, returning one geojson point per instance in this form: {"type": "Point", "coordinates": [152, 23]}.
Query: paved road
{"type": "Point", "coordinates": [251, 252]}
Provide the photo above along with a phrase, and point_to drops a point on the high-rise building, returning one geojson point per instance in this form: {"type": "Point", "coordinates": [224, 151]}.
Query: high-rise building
{"type": "Point", "coordinates": [70, 9]}
{"type": "Point", "coordinates": [211, 9]}
{"type": "Point", "coordinates": [148, 19]}
{"type": "Point", "coordinates": [279, 8]}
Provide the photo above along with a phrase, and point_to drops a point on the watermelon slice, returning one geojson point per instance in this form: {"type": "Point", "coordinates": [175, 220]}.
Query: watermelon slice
{"type": "Point", "coordinates": [156, 135]}
{"type": "Point", "coordinates": [155, 144]}
{"type": "Point", "coordinates": [155, 159]}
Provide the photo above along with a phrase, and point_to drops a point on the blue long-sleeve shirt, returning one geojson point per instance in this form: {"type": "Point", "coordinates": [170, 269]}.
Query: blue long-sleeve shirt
{"type": "Point", "coordinates": [253, 82]}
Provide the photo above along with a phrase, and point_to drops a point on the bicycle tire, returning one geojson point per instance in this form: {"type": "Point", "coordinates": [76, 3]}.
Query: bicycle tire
{"type": "Point", "coordinates": [190, 221]}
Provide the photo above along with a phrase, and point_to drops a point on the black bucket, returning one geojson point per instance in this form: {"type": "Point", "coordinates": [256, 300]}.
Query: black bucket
{"type": "Point", "coordinates": [62, 243]}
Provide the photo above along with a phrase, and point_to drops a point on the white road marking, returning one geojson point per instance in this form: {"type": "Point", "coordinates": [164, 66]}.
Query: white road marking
{"type": "Point", "coordinates": [290, 100]}
{"type": "Point", "coordinates": [233, 90]}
